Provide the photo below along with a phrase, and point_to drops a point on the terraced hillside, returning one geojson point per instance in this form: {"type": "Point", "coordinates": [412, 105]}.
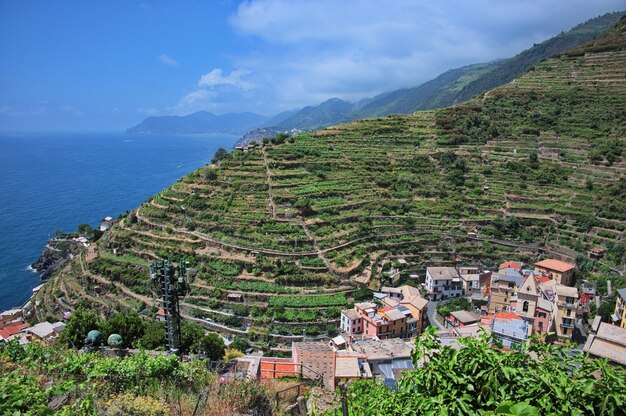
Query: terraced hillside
{"type": "Point", "coordinates": [297, 225]}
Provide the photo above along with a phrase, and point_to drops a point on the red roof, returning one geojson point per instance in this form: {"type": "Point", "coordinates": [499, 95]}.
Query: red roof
{"type": "Point", "coordinates": [507, 315]}
{"type": "Point", "coordinates": [10, 330]}
{"type": "Point", "coordinates": [542, 279]}
{"type": "Point", "coordinates": [558, 265]}
{"type": "Point", "coordinates": [385, 309]}
{"type": "Point", "coordinates": [161, 312]}
{"type": "Point", "coordinates": [511, 265]}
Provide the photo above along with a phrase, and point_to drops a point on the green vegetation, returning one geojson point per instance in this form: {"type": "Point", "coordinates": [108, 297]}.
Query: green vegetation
{"type": "Point", "coordinates": [309, 301]}
{"type": "Point", "coordinates": [44, 380]}
{"type": "Point", "coordinates": [457, 304]}
{"type": "Point", "coordinates": [138, 332]}
{"type": "Point", "coordinates": [481, 380]}
{"type": "Point", "coordinates": [535, 165]}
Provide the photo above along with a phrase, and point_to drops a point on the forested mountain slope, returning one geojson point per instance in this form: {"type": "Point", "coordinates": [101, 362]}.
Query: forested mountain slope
{"type": "Point", "coordinates": [296, 225]}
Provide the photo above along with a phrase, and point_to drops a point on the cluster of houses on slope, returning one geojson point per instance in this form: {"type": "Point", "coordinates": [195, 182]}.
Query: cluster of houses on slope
{"type": "Point", "coordinates": [13, 326]}
{"type": "Point", "coordinates": [542, 297]}
{"type": "Point", "coordinates": [401, 315]}
{"type": "Point", "coordinates": [519, 302]}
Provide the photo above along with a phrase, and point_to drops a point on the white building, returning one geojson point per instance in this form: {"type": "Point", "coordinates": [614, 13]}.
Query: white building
{"type": "Point", "coordinates": [106, 223]}
{"type": "Point", "coordinates": [443, 283]}
{"type": "Point", "coordinates": [351, 322]}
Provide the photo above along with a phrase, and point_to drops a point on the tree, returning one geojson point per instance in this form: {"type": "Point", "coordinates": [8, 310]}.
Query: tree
{"type": "Point", "coordinates": [211, 345]}
{"type": "Point", "coordinates": [78, 326]}
{"type": "Point", "coordinates": [209, 174]}
{"type": "Point", "coordinates": [190, 333]}
{"type": "Point", "coordinates": [153, 337]}
{"type": "Point", "coordinates": [220, 154]}
{"type": "Point", "coordinates": [85, 230]}
{"type": "Point", "coordinates": [304, 206]}
{"type": "Point", "coordinates": [362, 293]}
{"type": "Point", "coordinates": [127, 324]}
{"type": "Point", "coordinates": [240, 344]}
{"type": "Point", "coordinates": [607, 308]}
{"type": "Point", "coordinates": [231, 354]}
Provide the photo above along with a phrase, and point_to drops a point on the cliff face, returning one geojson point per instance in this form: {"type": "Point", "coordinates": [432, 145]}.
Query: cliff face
{"type": "Point", "coordinates": [57, 252]}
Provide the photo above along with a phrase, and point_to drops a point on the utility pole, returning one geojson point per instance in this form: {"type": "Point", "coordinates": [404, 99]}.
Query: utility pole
{"type": "Point", "coordinates": [171, 287]}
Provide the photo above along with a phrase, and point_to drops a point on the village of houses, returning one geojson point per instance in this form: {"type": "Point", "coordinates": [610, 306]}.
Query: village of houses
{"type": "Point", "coordinates": [376, 337]}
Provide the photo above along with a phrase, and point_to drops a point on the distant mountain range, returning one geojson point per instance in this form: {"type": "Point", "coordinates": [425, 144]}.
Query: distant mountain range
{"type": "Point", "coordinates": [201, 122]}
{"type": "Point", "coordinates": [451, 87]}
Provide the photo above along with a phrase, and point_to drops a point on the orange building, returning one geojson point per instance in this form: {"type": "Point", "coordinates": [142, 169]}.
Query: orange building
{"type": "Point", "coordinates": [271, 367]}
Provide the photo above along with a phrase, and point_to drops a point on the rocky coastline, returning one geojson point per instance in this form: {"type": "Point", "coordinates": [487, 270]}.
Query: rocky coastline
{"type": "Point", "coordinates": [58, 251]}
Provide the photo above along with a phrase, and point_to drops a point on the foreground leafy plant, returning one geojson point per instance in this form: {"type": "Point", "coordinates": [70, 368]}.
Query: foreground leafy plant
{"type": "Point", "coordinates": [481, 380]}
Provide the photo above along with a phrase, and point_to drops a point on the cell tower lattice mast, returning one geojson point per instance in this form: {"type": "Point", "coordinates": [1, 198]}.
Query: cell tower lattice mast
{"type": "Point", "coordinates": [163, 274]}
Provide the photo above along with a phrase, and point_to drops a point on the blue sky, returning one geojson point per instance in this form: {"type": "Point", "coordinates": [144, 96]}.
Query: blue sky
{"type": "Point", "coordinates": [104, 66]}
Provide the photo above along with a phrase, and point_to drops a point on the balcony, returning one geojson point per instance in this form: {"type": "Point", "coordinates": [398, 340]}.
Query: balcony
{"type": "Point", "coordinates": [567, 324]}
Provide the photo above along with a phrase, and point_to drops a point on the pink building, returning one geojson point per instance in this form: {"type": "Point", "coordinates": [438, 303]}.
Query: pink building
{"type": "Point", "coordinates": [376, 325]}
{"type": "Point", "coordinates": [543, 312]}
{"type": "Point", "coordinates": [459, 319]}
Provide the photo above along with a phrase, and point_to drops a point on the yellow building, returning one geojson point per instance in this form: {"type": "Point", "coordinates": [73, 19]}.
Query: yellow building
{"type": "Point", "coordinates": [619, 318]}
{"type": "Point", "coordinates": [558, 270]}
{"type": "Point", "coordinates": [566, 310]}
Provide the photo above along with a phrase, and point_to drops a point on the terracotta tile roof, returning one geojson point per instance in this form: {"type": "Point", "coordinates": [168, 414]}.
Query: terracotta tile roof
{"type": "Point", "coordinates": [507, 315]}
{"type": "Point", "coordinates": [511, 265]}
{"type": "Point", "coordinates": [10, 330]}
{"type": "Point", "coordinates": [558, 265]}
{"type": "Point", "coordinates": [385, 309]}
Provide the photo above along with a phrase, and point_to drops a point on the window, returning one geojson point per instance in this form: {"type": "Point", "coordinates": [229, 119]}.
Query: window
{"type": "Point", "coordinates": [525, 306]}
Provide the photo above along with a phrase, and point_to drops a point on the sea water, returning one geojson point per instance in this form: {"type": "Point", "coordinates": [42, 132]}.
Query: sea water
{"type": "Point", "coordinates": [57, 181]}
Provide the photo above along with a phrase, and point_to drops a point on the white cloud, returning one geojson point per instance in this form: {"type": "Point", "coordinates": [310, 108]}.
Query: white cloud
{"type": "Point", "coordinates": [305, 52]}
{"type": "Point", "coordinates": [215, 91]}
{"type": "Point", "coordinates": [214, 78]}
{"type": "Point", "coordinates": [167, 60]}
{"type": "Point", "coordinates": [314, 50]}
{"type": "Point", "coordinates": [196, 100]}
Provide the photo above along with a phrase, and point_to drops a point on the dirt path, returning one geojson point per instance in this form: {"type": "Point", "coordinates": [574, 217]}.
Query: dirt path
{"type": "Point", "coordinates": [270, 195]}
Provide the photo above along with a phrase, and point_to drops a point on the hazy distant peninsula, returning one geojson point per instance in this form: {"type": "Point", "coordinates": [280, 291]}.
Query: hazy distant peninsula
{"type": "Point", "coordinates": [201, 122]}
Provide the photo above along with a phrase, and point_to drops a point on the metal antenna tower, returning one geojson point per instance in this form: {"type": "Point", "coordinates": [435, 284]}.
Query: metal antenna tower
{"type": "Point", "coordinates": [171, 287]}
